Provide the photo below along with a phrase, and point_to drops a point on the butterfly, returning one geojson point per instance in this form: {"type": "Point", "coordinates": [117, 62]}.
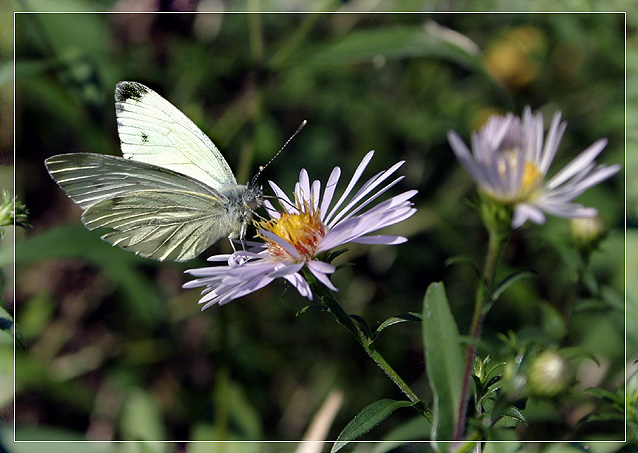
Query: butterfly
{"type": "Point", "coordinates": [170, 196]}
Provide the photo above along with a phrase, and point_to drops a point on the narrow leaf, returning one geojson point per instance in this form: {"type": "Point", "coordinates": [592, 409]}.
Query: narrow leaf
{"type": "Point", "coordinates": [515, 413]}
{"type": "Point", "coordinates": [404, 317]}
{"type": "Point", "coordinates": [603, 394]}
{"type": "Point", "coordinates": [463, 260]}
{"type": "Point", "coordinates": [509, 281]}
{"type": "Point", "coordinates": [311, 308]}
{"type": "Point", "coordinates": [363, 325]}
{"type": "Point", "coordinates": [443, 360]}
{"type": "Point", "coordinates": [369, 417]}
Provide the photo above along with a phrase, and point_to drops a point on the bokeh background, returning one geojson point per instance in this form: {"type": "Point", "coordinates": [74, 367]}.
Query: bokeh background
{"type": "Point", "coordinates": [115, 349]}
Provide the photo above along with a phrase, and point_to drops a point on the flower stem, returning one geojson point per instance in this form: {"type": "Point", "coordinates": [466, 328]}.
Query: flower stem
{"type": "Point", "coordinates": [495, 244]}
{"type": "Point", "coordinates": [329, 299]}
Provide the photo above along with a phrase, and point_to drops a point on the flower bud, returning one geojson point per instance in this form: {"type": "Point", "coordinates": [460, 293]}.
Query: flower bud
{"type": "Point", "coordinates": [587, 231]}
{"type": "Point", "coordinates": [549, 374]}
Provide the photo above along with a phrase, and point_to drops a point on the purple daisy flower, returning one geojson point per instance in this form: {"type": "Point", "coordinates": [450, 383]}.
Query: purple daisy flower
{"type": "Point", "coordinates": [510, 158]}
{"type": "Point", "coordinates": [304, 228]}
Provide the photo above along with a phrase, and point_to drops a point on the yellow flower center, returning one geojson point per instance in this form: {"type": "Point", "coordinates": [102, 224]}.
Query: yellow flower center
{"type": "Point", "coordinates": [304, 231]}
{"type": "Point", "coordinates": [531, 178]}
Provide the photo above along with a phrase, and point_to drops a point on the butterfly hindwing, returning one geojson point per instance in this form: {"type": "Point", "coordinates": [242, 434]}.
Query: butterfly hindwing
{"type": "Point", "coordinates": [175, 225]}
{"type": "Point", "coordinates": [152, 130]}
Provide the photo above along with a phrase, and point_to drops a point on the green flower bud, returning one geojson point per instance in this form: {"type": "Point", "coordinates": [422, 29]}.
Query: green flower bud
{"type": "Point", "coordinates": [549, 374]}
{"type": "Point", "coordinates": [587, 231]}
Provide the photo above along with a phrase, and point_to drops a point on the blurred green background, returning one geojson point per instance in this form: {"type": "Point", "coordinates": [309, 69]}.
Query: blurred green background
{"type": "Point", "coordinates": [117, 350]}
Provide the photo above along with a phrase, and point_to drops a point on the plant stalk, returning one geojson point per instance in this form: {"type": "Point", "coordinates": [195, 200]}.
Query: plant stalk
{"type": "Point", "coordinates": [483, 291]}
{"type": "Point", "coordinates": [329, 299]}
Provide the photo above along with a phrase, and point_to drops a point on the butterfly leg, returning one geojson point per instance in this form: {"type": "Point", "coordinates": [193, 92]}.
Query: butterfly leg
{"type": "Point", "coordinates": [242, 235]}
{"type": "Point", "coordinates": [232, 244]}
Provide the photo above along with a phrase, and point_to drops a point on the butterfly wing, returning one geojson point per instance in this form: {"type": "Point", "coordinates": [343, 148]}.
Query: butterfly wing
{"type": "Point", "coordinates": [155, 212]}
{"type": "Point", "coordinates": [166, 225]}
{"type": "Point", "coordinates": [91, 178]}
{"type": "Point", "coordinates": [154, 131]}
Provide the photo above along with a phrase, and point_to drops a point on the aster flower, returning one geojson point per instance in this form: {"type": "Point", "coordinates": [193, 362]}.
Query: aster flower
{"type": "Point", "coordinates": [510, 158]}
{"type": "Point", "coordinates": [304, 229]}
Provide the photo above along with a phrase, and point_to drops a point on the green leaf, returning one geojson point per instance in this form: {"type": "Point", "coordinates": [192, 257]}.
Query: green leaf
{"type": "Point", "coordinates": [337, 253]}
{"type": "Point", "coordinates": [443, 360]}
{"type": "Point", "coordinates": [393, 43]}
{"type": "Point", "coordinates": [603, 394]}
{"type": "Point", "coordinates": [404, 317]}
{"type": "Point", "coordinates": [363, 325]}
{"type": "Point", "coordinates": [369, 417]}
{"type": "Point", "coordinates": [463, 260]}
{"type": "Point", "coordinates": [311, 308]}
{"type": "Point", "coordinates": [601, 417]}
{"type": "Point", "coordinates": [509, 281]}
{"type": "Point", "coordinates": [514, 413]}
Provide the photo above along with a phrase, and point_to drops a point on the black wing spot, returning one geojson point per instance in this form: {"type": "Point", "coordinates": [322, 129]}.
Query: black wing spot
{"type": "Point", "coordinates": [129, 90]}
{"type": "Point", "coordinates": [144, 138]}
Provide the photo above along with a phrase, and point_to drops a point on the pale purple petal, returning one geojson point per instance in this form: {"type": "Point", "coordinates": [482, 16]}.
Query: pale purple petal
{"type": "Point", "coordinates": [247, 288]}
{"type": "Point", "coordinates": [315, 194]}
{"type": "Point", "coordinates": [366, 223]}
{"type": "Point", "coordinates": [567, 210]}
{"type": "Point", "coordinates": [320, 274]}
{"type": "Point", "coordinates": [287, 246]}
{"type": "Point", "coordinates": [223, 257]}
{"type": "Point", "coordinates": [284, 201]}
{"type": "Point", "coordinates": [578, 164]}
{"type": "Point", "coordinates": [303, 187]}
{"type": "Point", "coordinates": [380, 239]}
{"type": "Point", "coordinates": [322, 266]}
{"type": "Point", "coordinates": [463, 154]}
{"type": "Point", "coordinates": [357, 174]}
{"type": "Point", "coordinates": [270, 209]}
{"type": "Point", "coordinates": [366, 189]}
{"type": "Point", "coordinates": [300, 284]}
{"type": "Point", "coordinates": [524, 212]}
{"type": "Point", "coordinates": [286, 269]}
{"type": "Point", "coordinates": [554, 136]}
{"type": "Point", "coordinates": [329, 191]}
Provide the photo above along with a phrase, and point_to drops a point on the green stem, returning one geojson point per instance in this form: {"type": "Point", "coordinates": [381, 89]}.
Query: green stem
{"type": "Point", "coordinates": [483, 291]}
{"type": "Point", "coordinates": [577, 286]}
{"type": "Point", "coordinates": [328, 298]}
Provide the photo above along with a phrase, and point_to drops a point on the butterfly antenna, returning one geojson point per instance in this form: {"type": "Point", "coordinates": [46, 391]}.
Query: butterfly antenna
{"type": "Point", "coordinates": [263, 167]}
{"type": "Point", "coordinates": [282, 201]}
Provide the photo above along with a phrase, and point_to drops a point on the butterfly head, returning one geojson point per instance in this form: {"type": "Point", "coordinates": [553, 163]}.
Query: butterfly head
{"type": "Point", "coordinates": [253, 196]}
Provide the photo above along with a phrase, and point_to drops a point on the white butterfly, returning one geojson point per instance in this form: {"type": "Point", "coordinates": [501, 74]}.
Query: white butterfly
{"type": "Point", "coordinates": [172, 194]}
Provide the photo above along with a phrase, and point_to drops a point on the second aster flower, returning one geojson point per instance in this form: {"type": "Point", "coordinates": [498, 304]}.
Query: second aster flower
{"type": "Point", "coordinates": [510, 159]}
{"type": "Point", "coordinates": [304, 229]}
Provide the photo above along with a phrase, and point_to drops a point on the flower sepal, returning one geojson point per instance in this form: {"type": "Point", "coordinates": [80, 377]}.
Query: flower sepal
{"type": "Point", "coordinates": [496, 215]}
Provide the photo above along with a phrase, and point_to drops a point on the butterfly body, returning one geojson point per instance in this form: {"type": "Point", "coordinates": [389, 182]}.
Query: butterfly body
{"type": "Point", "coordinates": [170, 196]}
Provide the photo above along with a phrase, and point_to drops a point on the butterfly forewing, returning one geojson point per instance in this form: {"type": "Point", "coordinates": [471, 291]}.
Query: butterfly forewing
{"type": "Point", "coordinates": [152, 130]}
{"type": "Point", "coordinates": [91, 178]}
{"type": "Point", "coordinates": [176, 225]}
